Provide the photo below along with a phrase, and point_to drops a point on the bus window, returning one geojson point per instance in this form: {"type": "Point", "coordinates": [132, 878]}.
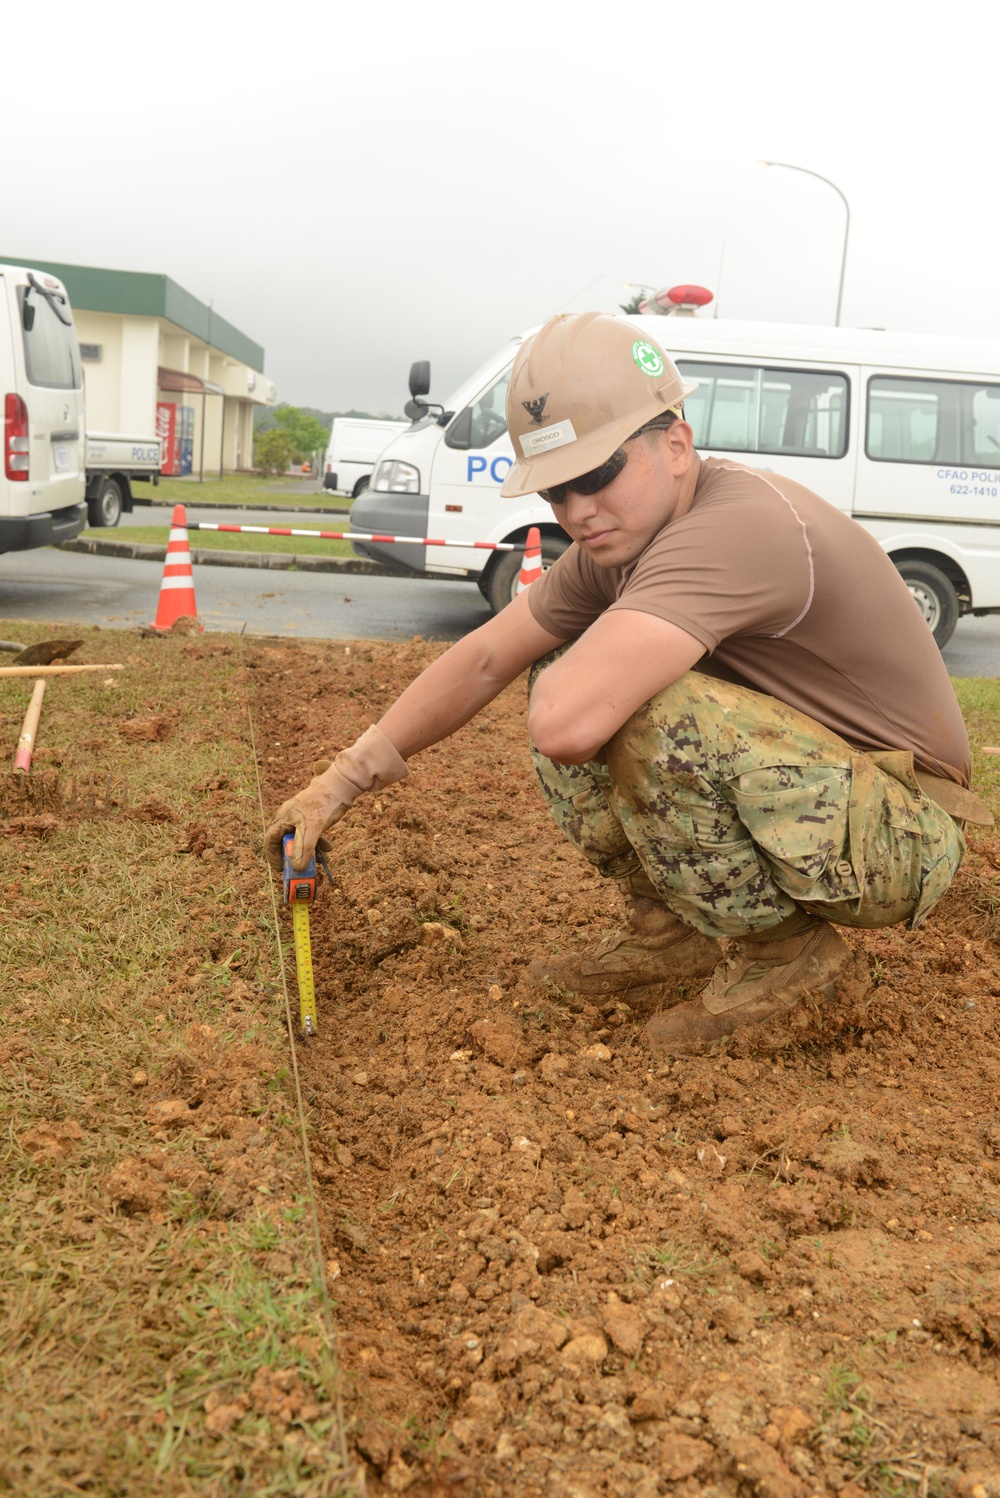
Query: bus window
{"type": "Point", "coordinates": [933, 421]}
{"type": "Point", "coordinates": [755, 409]}
{"type": "Point", "coordinates": [986, 426]}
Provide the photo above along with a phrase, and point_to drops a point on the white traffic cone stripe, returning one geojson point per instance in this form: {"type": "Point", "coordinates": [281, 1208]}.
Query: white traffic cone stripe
{"type": "Point", "coordinates": [531, 565]}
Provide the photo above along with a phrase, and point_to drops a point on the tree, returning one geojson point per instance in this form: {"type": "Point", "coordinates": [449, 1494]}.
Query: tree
{"type": "Point", "coordinates": [272, 451]}
{"type": "Point", "coordinates": [304, 432]}
{"type": "Point", "coordinates": [632, 305]}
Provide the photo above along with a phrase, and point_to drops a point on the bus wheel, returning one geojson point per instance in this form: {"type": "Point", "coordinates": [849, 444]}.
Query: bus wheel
{"type": "Point", "coordinates": [499, 586]}
{"type": "Point", "coordinates": [934, 596]}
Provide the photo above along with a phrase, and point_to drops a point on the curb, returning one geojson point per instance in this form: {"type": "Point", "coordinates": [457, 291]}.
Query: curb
{"type": "Point", "coordinates": [303, 510]}
{"type": "Point", "coordinates": [272, 560]}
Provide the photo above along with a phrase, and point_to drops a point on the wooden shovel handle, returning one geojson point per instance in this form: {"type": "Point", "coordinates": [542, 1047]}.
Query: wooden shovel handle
{"type": "Point", "coordinates": [26, 743]}
{"type": "Point", "coordinates": [52, 670]}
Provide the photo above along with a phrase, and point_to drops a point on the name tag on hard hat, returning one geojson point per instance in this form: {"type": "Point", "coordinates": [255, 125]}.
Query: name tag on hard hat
{"type": "Point", "coordinates": [556, 436]}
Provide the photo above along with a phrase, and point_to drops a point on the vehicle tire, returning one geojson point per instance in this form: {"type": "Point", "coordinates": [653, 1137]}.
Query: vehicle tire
{"type": "Point", "coordinates": [106, 507]}
{"type": "Point", "coordinates": [934, 596]}
{"type": "Point", "coordinates": [499, 586]}
{"type": "Point", "coordinates": [359, 488]}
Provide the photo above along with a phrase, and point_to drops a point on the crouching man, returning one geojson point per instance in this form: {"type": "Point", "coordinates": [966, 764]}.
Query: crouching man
{"type": "Point", "coordinates": [737, 711]}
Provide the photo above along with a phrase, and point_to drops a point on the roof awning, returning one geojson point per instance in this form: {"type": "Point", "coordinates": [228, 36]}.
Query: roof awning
{"type": "Point", "coordinates": [179, 379]}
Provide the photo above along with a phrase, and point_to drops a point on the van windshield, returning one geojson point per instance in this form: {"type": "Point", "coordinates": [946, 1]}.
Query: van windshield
{"type": "Point", "coordinates": [51, 355]}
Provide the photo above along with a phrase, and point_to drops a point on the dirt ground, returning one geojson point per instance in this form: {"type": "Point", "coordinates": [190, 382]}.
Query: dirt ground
{"type": "Point", "coordinates": [559, 1266]}
{"type": "Point", "coordinates": [562, 1267]}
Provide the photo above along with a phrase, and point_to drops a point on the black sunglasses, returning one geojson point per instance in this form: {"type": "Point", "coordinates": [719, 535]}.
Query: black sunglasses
{"type": "Point", "coordinates": [588, 483]}
{"type": "Point", "coordinates": [599, 478]}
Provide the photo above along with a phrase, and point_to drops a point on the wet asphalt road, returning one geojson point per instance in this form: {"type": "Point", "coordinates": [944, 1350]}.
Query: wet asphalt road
{"type": "Point", "coordinates": [72, 588]}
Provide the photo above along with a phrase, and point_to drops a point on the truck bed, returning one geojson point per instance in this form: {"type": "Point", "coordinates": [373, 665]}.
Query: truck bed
{"type": "Point", "coordinates": [115, 452]}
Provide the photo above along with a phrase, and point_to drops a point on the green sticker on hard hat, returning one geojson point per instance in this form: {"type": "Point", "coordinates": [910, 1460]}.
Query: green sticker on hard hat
{"type": "Point", "coordinates": [649, 359]}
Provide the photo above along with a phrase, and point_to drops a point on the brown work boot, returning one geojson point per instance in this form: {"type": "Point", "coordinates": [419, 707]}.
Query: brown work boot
{"type": "Point", "coordinates": [756, 980]}
{"type": "Point", "coordinates": [657, 949]}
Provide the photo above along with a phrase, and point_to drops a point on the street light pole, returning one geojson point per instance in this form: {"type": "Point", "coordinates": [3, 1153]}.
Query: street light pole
{"type": "Point", "coordinates": [790, 167]}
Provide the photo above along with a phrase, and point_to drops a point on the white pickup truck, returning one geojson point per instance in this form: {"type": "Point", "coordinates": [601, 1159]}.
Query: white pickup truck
{"type": "Point", "coordinates": [113, 464]}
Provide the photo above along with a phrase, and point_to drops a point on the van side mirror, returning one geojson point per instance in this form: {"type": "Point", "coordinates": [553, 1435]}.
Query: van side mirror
{"type": "Point", "coordinates": [420, 377]}
{"type": "Point", "coordinates": [414, 410]}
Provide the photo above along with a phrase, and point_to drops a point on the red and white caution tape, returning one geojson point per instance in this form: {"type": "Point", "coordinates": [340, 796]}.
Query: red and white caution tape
{"type": "Point", "coordinates": [274, 530]}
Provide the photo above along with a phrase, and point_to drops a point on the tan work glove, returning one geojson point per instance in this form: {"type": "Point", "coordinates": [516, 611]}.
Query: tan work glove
{"type": "Point", "coordinates": [370, 763]}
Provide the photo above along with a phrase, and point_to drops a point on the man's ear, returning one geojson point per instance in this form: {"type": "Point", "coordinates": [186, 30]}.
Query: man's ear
{"type": "Point", "coordinates": [680, 446]}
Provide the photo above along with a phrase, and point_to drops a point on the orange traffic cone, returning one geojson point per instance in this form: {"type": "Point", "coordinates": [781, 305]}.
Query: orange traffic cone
{"type": "Point", "coordinates": [177, 587]}
{"type": "Point", "coordinates": [531, 566]}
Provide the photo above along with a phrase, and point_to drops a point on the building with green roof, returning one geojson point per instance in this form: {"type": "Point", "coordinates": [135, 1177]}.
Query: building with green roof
{"type": "Point", "coordinates": [157, 359]}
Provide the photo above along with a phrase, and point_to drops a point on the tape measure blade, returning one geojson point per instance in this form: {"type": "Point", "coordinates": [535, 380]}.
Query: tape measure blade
{"type": "Point", "coordinates": [303, 968]}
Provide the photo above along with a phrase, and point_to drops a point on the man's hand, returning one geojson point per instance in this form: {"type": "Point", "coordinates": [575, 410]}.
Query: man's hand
{"type": "Point", "coordinates": [304, 815]}
{"type": "Point", "coordinates": [370, 763]}
{"type": "Point", "coordinates": [441, 699]}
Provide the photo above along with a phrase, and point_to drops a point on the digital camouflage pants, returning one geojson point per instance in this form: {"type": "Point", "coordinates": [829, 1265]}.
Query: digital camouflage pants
{"type": "Point", "coordinates": [739, 810]}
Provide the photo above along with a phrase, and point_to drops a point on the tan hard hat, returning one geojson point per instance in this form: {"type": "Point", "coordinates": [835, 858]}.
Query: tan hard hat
{"type": "Point", "coordinates": [580, 385]}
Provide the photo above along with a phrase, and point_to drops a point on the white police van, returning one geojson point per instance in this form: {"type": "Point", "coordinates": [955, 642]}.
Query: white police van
{"type": "Point", "coordinates": [900, 431]}
{"type": "Point", "coordinates": [42, 485]}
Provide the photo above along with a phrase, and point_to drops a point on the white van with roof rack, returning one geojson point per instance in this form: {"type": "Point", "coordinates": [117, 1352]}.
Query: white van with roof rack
{"type": "Point", "coordinates": [42, 485]}
{"type": "Point", "coordinates": [898, 430]}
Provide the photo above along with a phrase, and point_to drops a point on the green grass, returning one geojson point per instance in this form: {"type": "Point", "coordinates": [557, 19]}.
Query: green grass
{"type": "Point", "coordinates": [135, 969]}
{"type": "Point", "coordinates": [245, 490]}
{"type": "Point", "coordinates": [156, 535]}
{"type": "Point", "coordinates": [979, 699]}
{"type": "Point", "coordinates": [844, 1389]}
{"type": "Point", "coordinates": [672, 1258]}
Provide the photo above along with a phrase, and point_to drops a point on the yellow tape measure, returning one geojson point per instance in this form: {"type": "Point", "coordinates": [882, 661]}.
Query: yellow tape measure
{"type": "Point", "coordinates": [304, 967]}
{"type": "Point", "coordinates": [300, 891]}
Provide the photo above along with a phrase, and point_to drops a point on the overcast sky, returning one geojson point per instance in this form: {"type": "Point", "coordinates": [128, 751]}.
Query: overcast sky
{"type": "Point", "coordinates": [358, 186]}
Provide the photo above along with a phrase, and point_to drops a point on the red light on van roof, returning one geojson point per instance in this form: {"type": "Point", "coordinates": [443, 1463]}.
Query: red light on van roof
{"type": "Point", "coordinates": [52, 283]}
{"type": "Point", "coordinates": [684, 296]}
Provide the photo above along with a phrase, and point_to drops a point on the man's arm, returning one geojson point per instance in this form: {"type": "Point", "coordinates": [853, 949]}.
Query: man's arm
{"type": "Point", "coordinates": [584, 697]}
{"type": "Point", "coordinates": [468, 676]}
{"type": "Point", "coordinates": [439, 701]}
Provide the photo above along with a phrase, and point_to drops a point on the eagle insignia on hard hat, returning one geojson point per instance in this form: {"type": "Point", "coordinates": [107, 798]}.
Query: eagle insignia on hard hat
{"type": "Point", "coordinates": [535, 408]}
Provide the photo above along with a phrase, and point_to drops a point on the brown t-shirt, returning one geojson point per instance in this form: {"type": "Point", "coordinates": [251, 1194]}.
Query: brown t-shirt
{"type": "Point", "coordinates": [789, 596]}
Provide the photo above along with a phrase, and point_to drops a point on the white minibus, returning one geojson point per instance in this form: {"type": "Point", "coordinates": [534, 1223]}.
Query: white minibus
{"type": "Point", "coordinates": [356, 443]}
{"type": "Point", "coordinates": [900, 431]}
{"type": "Point", "coordinates": [42, 481]}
